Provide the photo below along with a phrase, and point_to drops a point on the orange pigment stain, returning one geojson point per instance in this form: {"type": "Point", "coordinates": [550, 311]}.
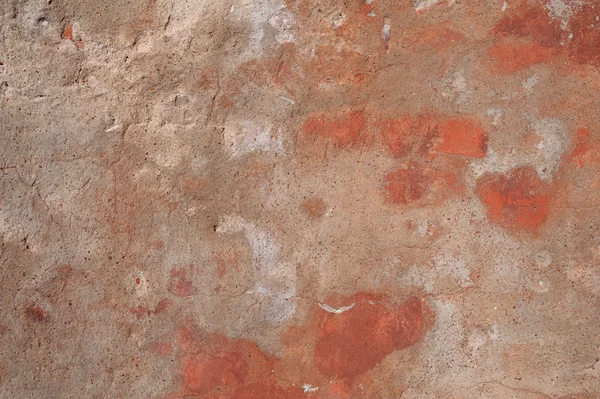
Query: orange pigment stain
{"type": "Point", "coordinates": [418, 181]}
{"type": "Point", "coordinates": [215, 366]}
{"type": "Point", "coordinates": [358, 339]}
{"type": "Point", "coordinates": [515, 200]}
{"type": "Point", "coordinates": [68, 32]}
{"type": "Point", "coordinates": [462, 137]}
{"type": "Point", "coordinates": [513, 57]}
{"type": "Point", "coordinates": [346, 130]}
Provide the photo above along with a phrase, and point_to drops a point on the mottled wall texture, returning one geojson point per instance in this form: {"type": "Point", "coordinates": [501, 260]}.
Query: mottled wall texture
{"type": "Point", "coordinates": [300, 199]}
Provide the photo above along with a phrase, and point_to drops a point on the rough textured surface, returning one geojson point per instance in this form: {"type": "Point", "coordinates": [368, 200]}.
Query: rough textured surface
{"type": "Point", "coordinates": [300, 199]}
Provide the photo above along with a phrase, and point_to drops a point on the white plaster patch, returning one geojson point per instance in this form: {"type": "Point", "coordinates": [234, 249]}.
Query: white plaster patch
{"type": "Point", "coordinates": [455, 268]}
{"type": "Point", "coordinates": [309, 388]}
{"type": "Point", "coordinates": [329, 309]}
{"type": "Point", "coordinates": [273, 278]}
{"type": "Point", "coordinates": [506, 269]}
{"type": "Point", "coordinates": [423, 229]}
{"type": "Point", "coordinates": [494, 332]}
{"type": "Point", "coordinates": [476, 340]}
{"type": "Point", "coordinates": [241, 138]}
{"type": "Point", "coordinates": [493, 163]}
{"type": "Point", "coordinates": [140, 282]}
{"type": "Point", "coordinates": [423, 5]}
{"type": "Point", "coordinates": [554, 141]}
{"type": "Point", "coordinates": [338, 19]}
{"type": "Point", "coordinates": [198, 164]}
{"type": "Point", "coordinates": [504, 6]}
{"type": "Point", "coordinates": [456, 88]}
{"type": "Point", "coordinates": [166, 144]}
{"type": "Point", "coordinates": [543, 259]}
{"type": "Point", "coordinates": [283, 22]}
{"type": "Point", "coordinates": [529, 84]}
{"type": "Point", "coordinates": [447, 357]}
{"type": "Point", "coordinates": [495, 114]}
{"type": "Point", "coordinates": [429, 278]}
{"type": "Point", "coordinates": [259, 13]}
{"type": "Point", "coordinates": [537, 282]}
{"type": "Point", "coordinates": [386, 30]}
{"type": "Point", "coordinates": [420, 278]}
{"type": "Point", "coordinates": [563, 10]}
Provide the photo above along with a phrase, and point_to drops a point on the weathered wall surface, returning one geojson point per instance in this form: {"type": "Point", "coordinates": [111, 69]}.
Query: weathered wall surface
{"type": "Point", "coordinates": [299, 199]}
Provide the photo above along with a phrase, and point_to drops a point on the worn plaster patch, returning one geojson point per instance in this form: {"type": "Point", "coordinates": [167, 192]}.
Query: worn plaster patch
{"type": "Point", "coordinates": [247, 136]}
{"type": "Point", "coordinates": [546, 157]}
{"type": "Point", "coordinates": [423, 5]}
{"type": "Point", "coordinates": [275, 279]}
{"type": "Point", "coordinates": [456, 88]}
{"type": "Point", "coordinates": [443, 266]}
{"type": "Point", "coordinates": [563, 10]}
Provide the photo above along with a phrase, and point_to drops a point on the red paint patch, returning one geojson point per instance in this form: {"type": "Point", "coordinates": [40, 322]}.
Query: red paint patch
{"type": "Point", "coordinates": [406, 135]}
{"type": "Point", "coordinates": [532, 22]}
{"type": "Point", "coordinates": [462, 137]}
{"type": "Point", "coordinates": [515, 200]}
{"type": "Point", "coordinates": [512, 57]}
{"type": "Point", "coordinates": [352, 342]}
{"type": "Point", "coordinates": [416, 182]}
{"type": "Point", "coordinates": [346, 130]}
{"type": "Point", "coordinates": [179, 284]}
{"type": "Point", "coordinates": [161, 306]}
{"type": "Point", "coordinates": [37, 314]}
{"type": "Point", "coordinates": [586, 35]}
{"type": "Point", "coordinates": [68, 32]}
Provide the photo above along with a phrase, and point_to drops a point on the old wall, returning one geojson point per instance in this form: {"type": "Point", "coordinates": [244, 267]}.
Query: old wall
{"type": "Point", "coordinates": [299, 199]}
